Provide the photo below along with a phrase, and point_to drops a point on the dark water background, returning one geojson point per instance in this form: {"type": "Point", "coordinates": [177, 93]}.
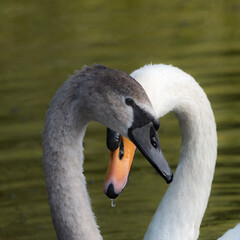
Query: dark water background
{"type": "Point", "coordinates": [42, 42]}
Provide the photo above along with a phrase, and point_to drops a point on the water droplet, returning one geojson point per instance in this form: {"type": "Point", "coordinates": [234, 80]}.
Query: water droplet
{"type": "Point", "coordinates": [113, 204]}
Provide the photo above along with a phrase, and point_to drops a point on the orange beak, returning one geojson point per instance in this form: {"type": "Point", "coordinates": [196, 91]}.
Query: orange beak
{"type": "Point", "coordinates": [119, 166]}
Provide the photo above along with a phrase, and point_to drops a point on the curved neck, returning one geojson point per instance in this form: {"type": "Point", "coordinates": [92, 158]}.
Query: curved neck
{"type": "Point", "coordinates": [181, 210]}
{"type": "Point", "coordinates": [63, 167]}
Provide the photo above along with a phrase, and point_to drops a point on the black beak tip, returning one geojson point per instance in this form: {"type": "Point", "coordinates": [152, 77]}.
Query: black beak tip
{"type": "Point", "coordinates": [110, 192]}
{"type": "Point", "coordinates": [168, 178]}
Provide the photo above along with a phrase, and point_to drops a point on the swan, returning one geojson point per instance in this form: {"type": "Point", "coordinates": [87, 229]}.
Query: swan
{"type": "Point", "coordinates": [179, 215]}
{"type": "Point", "coordinates": [112, 98]}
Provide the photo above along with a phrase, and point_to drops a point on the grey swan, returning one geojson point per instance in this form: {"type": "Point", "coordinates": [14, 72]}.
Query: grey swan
{"type": "Point", "coordinates": [112, 98]}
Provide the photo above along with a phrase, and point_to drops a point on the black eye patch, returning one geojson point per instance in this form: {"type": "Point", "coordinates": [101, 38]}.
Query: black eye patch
{"type": "Point", "coordinates": [142, 118]}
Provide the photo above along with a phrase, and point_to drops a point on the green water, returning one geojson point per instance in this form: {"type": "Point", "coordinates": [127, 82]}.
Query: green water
{"type": "Point", "coordinates": [42, 42]}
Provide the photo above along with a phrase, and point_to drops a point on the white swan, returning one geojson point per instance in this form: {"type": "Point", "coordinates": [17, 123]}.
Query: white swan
{"type": "Point", "coordinates": [181, 210]}
{"type": "Point", "coordinates": [116, 100]}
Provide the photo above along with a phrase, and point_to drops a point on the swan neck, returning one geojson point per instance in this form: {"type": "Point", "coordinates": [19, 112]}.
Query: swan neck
{"type": "Point", "coordinates": [180, 213]}
{"type": "Point", "coordinates": [68, 198]}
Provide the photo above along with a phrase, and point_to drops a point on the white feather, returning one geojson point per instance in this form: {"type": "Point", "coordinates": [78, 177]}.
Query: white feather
{"type": "Point", "coordinates": [181, 210]}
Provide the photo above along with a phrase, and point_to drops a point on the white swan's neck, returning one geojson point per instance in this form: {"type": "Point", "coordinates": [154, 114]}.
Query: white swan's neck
{"type": "Point", "coordinates": [180, 213]}
{"type": "Point", "coordinates": [63, 167]}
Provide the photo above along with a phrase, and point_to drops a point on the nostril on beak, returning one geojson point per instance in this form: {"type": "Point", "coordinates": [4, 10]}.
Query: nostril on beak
{"type": "Point", "coordinates": [110, 192]}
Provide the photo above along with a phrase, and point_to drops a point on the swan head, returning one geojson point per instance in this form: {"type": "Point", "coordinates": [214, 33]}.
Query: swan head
{"type": "Point", "coordinates": [119, 102]}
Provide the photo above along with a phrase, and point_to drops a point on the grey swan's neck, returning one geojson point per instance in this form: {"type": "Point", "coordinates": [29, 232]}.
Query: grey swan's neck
{"type": "Point", "coordinates": [63, 167]}
{"type": "Point", "coordinates": [66, 186]}
{"type": "Point", "coordinates": [95, 93]}
{"type": "Point", "coordinates": [181, 210]}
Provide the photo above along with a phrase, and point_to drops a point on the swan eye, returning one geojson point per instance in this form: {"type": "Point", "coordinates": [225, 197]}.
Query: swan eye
{"type": "Point", "coordinates": [129, 101]}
